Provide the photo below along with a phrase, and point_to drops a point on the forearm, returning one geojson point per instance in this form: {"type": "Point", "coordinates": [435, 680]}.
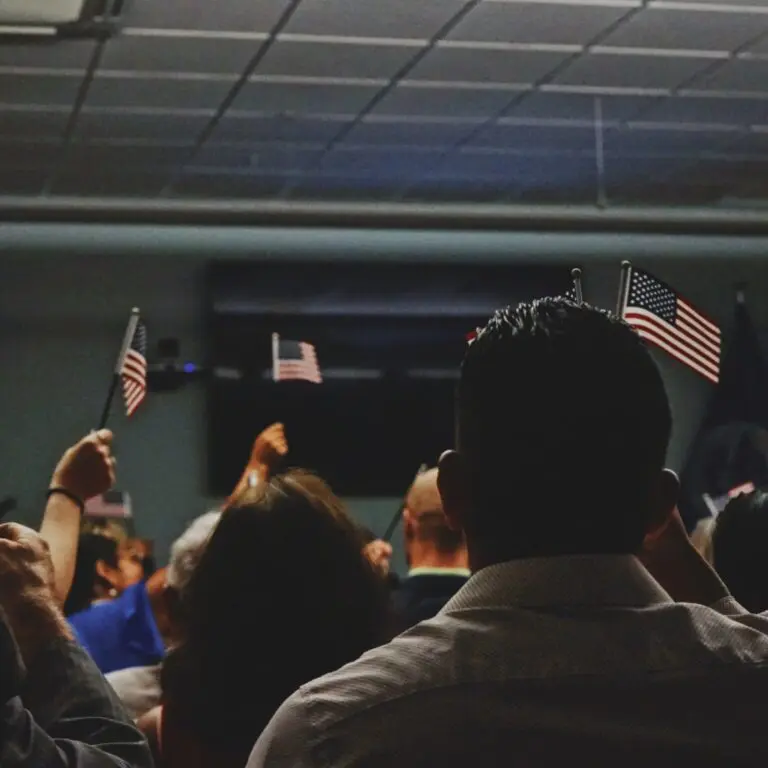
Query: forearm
{"type": "Point", "coordinates": [61, 531]}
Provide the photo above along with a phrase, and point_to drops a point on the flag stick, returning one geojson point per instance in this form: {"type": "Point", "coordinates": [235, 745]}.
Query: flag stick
{"type": "Point", "coordinates": [621, 303]}
{"type": "Point", "coordinates": [275, 354]}
{"type": "Point", "coordinates": [396, 517]}
{"type": "Point", "coordinates": [130, 331]}
{"type": "Point", "coordinates": [577, 286]}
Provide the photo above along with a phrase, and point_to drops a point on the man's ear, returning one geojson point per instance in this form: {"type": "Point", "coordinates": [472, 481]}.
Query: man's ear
{"type": "Point", "coordinates": [106, 572]}
{"type": "Point", "coordinates": [409, 524]}
{"type": "Point", "coordinates": [663, 501]}
{"type": "Point", "coordinates": [453, 484]}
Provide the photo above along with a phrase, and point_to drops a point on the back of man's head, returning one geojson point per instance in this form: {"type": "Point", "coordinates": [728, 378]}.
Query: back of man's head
{"type": "Point", "coordinates": [426, 526]}
{"type": "Point", "coordinates": [563, 424]}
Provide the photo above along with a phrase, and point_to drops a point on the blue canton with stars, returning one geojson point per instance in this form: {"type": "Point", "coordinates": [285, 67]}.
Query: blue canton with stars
{"type": "Point", "coordinates": [645, 292]}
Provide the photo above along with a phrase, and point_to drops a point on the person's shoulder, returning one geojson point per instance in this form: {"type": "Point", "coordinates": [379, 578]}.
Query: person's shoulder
{"type": "Point", "coordinates": [417, 660]}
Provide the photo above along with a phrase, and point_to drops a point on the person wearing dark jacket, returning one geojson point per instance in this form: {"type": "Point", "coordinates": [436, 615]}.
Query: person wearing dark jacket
{"type": "Point", "coordinates": [436, 555]}
{"type": "Point", "coordinates": [56, 710]}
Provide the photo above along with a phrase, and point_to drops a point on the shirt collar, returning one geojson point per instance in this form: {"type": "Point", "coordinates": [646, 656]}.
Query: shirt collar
{"type": "Point", "coordinates": [583, 580]}
{"type": "Point", "coordinates": [434, 571]}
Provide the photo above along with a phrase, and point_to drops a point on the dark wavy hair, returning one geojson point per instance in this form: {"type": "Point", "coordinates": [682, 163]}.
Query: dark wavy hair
{"type": "Point", "coordinates": [91, 548]}
{"type": "Point", "coordinates": [281, 595]}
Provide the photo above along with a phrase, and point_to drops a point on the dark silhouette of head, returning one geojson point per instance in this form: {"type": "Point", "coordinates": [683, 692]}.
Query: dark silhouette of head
{"type": "Point", "coordinates": [740, 549]}
{"type": "Point", "coordinates": [563, 425]}
{"type": "Point", "coordinates": [97, 572]}
{"type": "Point", "coordinates": [281, 594]}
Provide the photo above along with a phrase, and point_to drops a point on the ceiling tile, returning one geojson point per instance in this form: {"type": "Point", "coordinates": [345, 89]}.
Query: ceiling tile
{"type": "Point", "coordinates": [410, 133]}
{"type": "Point", "coordinates": [368, 18]}
{"type": "Point", "coordinates": [117, 125]}
{"type": "Point", "coordinates": [339, 189]}
{"type": "Point", "coordinates": [746, 75]}
{"type": "Point", "coordinates": [687, 29]}
{"type": "Point", "coordinates": [537, 22]}
{"type": "Point", "coordinates": [33, 123]}
{"type": "Point", "coordinates": [700, 109]}
{"type": "Point", "coordinates": [233, 15]}
{"type": "Point", "coordinates": [483, 65]}
{"type": "Point", "coordinates": [335, 60]}
{"type": "Point", "coordinates": [577, 106]}
{"type": "Point", "coordinates": [178, 54]}
{"type": "Point", "coordinates": [156, 92]}
{"type": "Point", "coordinates": [290, 128]}
{"type": "Point", "coordinates": [127, 157]}
{"type": "Point", "coordinates": [444, 102]}
{"type": "Point", "coordinates": [109, 184]}
{"type": "Point", "coordinates": [67, 54]}
{"type": "Point", "coordinates": [635, 140]}
{"type": "Point", "coordinates": [304, 99]}
{"type": "Point", "coordinates": [379, 164]}
{"type": "Point", "coordinates": [260, 158]}
{"type": "Point", "coordinates": [38, 89]}
{"type": "Point", "coordinates": [199, 184]}
{"type": "Point", "coordinates": [753, 142]}
{"type": "Point", "coordinates": [631, 71]}
{"type": "Point", "coordinates": [446, 188]}
{"type": "Point", "coordinates": [537, 137]}
{"type": "Point", "coordinates": [27, 154]}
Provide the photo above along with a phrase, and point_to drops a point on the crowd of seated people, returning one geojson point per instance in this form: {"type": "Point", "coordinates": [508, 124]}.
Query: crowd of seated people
{"type": "Point", "coordinates": [555, 610]}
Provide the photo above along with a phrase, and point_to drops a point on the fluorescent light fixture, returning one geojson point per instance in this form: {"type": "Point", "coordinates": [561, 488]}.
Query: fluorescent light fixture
{"type": "Point", "coordinates": [5, 29]}
{"type": "Point", "coordinates": [24, 13]}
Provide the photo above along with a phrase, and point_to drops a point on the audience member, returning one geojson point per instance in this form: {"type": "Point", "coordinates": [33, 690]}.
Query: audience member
{"type": "Point", "coordinates": [436, 554]}
{"type": "Point", "coordinates": [139, 687]}
{"type": "Point", "coordinates": [282, 594]}
{"type": "Point", "coordinates": [56, 709]}
{"type": "Point", "coordinates": [562, 647]}
{"type": "Point", "coordinates": [740, 549]}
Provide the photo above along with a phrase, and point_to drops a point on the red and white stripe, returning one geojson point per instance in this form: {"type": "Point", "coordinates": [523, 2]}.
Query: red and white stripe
{"type": "Point", "coordinates": [305, 369]}
{"type": "Point", "coordinates": [693, 340]}
{"type": "Point", "coordinates": [134, 375]}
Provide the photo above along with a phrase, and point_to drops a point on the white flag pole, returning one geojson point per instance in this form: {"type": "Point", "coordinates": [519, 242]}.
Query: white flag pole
{"type": "Point", "coordinates": [275, 354]}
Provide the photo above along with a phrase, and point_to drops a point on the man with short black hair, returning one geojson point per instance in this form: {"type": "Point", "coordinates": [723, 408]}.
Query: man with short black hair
{"type": "Point", "coordinates": [436, 554]}
{"type": "Point", "coordinates": [562, 648]}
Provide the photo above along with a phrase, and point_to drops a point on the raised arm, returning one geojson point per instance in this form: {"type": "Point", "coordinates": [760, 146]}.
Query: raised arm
{"type": "Point", "coordinates": [268, 448]}
{"type": "Point", "coordinates": [87, 469]}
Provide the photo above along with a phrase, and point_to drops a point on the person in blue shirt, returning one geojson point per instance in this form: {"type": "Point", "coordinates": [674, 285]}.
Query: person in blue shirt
{"type": "Point", "coordinates": [112, 618]}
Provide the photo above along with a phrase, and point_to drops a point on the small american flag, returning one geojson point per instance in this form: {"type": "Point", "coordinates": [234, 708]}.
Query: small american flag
{"type": "Point", "coordinates": [660, 316]}
{"type": "Point", "coordinates": [133, 372]}
{"type": "Point", "coordinates": [109, 504]}
{"type": "Point", "coordinates": [295, 360]}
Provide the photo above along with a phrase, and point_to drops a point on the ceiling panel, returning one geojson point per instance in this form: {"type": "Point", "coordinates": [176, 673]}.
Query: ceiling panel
{"type": "Point", "coordinates": [444, 102]}
{"type": "Point", "coordinates": [538, 22]}
{"type": "Point", "coordinates": [577, 106]}
{"type": "Point", "coordinates": [335, 59]}
{"type": "Point", "coordinates": [305, 98]}
{"type": "Point", "coordinates": [631, 71]}
{"type": "Point", "coordinates": [745, 75]}
{"type": "Point", "coordinates": [235, 15]}
{"type": "Point", "coordinates": [637, 140]}
{"type": "Point", "coordinates": [278, 128]}
{"type": "Point", "coordinates": [369, 18]}
{"type": "Point", "coordinates": [494, 66]}
{"type": "Point", "coordinates": [178, 54]}
{"type": "Point", "coordinates": [28, 154]}
{"type": "Point", "coordinates": [127, 156]}
{"type": "Point", "coordinates": [200, 184]}
{"type": "Point", "coordinates": [67, 54]}
{"type": "Point", "coordinates": [123, 183]}
{"type": "Point", "coordinates": [258, 157]}
{"type": "Point", "coordinates": [22, 181]}
{"type": "Point", "coordinates": [542, 138]}
{"type": "Point", "coordinates": [379, 164]}
{"type": "Point", "coordinates": [682, 28]}
{"type": "Point", "coordinates": [149, 126]}
{"type": "Point", "coordinates": [37, 89]}
{"type": "Point", "coordinates": [156, 92]}
{"type": "Point", "coordinates": [701, 109]}
{"type": "Point", "coordinates": [33, 123]}
{"type": "Point", "coordinates": [409, 133]}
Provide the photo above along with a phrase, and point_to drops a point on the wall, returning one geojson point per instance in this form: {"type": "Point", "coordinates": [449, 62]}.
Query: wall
{"type": "Point", "coordinates": [61, 318]}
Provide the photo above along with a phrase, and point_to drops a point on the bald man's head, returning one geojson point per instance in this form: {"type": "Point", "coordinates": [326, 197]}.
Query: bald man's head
{"type": "Point", "coordinates": [425, 521]}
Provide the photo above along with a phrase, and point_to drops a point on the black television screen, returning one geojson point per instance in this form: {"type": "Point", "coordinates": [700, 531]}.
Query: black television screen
{"type": "Point", "coordinates": [389, 341]}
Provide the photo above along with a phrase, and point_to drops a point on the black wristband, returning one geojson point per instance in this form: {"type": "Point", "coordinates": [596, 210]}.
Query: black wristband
{"type": "Point", "coordinates": [64, 492]}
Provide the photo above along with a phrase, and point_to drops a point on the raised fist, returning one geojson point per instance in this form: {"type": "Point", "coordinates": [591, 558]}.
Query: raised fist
{"type": "Point", "coordinates": [268, 448]}
{"type": "Point", "coordinates": [87, 469]}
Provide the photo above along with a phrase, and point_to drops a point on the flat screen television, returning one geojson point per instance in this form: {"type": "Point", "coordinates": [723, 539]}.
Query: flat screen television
{"type": "Point", "coordinates": [389, 340]}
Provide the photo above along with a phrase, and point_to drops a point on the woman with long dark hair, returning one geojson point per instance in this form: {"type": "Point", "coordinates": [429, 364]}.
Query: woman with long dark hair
{"type": "Point", "coordinates": [281, 595]}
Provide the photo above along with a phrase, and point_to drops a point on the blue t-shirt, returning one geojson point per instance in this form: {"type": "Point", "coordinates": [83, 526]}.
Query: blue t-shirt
{"type": "Point", "coordinates": [121, 633]}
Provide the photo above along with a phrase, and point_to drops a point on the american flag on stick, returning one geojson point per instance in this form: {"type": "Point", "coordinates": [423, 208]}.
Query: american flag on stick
{"type": "Point", "coordinates": [294, 360]}
{"type": "Point", "coordinates": [662, 317]}
{"type": "Point", "coordinates": [133, 371]}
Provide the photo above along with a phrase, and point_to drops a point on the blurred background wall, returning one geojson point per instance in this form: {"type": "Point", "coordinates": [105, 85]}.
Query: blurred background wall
{"type": "Point", "coordinates": [65, 293]}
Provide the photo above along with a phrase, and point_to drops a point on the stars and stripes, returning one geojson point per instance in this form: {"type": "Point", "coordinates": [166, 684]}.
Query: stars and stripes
{"type": "Point", "coordinates": [294, 360]}
{"type": "Point", "coordinates": [661, 317]}
{"type": "Point", "coordinates": [133, 371]}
